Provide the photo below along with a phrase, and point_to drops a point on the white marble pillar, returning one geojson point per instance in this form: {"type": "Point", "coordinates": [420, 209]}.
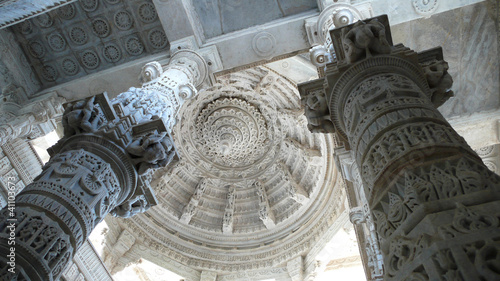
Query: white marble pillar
{"type": "Point", "coordinates": [100, 166]}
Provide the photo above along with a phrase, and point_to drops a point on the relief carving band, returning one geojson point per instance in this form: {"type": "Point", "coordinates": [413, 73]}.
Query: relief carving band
{"type": "Point", "coordinates": [100, 166]}
{"type": "Point", "coordinates": [434, 203]}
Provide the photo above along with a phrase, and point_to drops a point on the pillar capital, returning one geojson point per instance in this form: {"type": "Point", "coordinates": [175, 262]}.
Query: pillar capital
{"type": "Point", "coordinates": [102, 165]}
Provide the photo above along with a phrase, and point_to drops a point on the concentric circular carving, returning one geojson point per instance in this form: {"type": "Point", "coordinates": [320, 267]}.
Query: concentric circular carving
{"type": "Point", "coordinates": [147, 12]}
{"type": "Point", "coordinates": [157, 38]}
{"type": "Point", "coordinates": [67, 12]}
{"type": "Point", "coordinates": [90, 59]}
{"type": "Point", "coordinates": [49, 73]}
{"type": "Point", "coordinates": [25, 27]}
{"type": "Point", "coordinates": [89, 5]}
{"type": "Point", "coordinates": [44, 20]}
{"type": "Point", "coordinates": [234, 136]}
{"type": "Point", "coordinates": [134, 46]}
{"type": "Point", "coordinates": [78, 35]}
{"type": "Point", "coordinates": [56, 42]}
{"type": "Point", "coordinates": [264, 44]}
{"type": "Point", "coordinates": [112, 1]}
{"type": "Point", "coordinates": [100, 27]}
{"type": "Point", "coordinates": [36, 49]}
{"type": "Point", "coordinates": [123, 20]}
{"type": "Point", "coordinates": [69, 66]}
{"type": "Point", "coordinates": [425, 7]}
{"type": "Point", "coordinates": [485, 151]}
{"type": "Point", "coordinates": [112, 53]}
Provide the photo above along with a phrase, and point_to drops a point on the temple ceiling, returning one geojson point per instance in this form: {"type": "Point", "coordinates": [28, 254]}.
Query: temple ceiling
{"type": "Point", "coordinates": [251, 189]}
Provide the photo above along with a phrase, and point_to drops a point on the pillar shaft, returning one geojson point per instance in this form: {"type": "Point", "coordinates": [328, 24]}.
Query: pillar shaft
{"type": "Point", "coordinates": [100, 166]}
{"type": "Point", "coordinates": [434, 202]}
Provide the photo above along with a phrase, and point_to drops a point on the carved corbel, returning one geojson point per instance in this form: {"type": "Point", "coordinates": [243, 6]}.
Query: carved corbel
{"type": "Point", "coordinates": [436, 72]}
{"type": "Point", "coordinates": [316, 109]}
{"type": "Point", "coordinates": [227, 222]}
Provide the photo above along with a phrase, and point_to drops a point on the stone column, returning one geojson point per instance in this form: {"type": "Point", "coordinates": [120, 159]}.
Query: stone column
{"type": "Point", "coordinates": [100, 166]}
{"type": "Point", "coordinates": [435, 204]}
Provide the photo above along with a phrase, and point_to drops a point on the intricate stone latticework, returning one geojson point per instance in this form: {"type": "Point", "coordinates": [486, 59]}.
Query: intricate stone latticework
{"type": "Point", "coordinates": [434, 202]}
{"type": "Point", "coordinates": [100, 166]}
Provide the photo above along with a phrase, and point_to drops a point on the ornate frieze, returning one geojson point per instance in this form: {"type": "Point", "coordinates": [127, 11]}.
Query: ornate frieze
{"type": "Point", "coordinates": [85, 37]}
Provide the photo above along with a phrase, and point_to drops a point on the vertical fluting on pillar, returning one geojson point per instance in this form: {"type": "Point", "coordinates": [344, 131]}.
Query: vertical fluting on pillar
{"type": "Point", "coordinates": [435, 204]}
{"type": "Point", "coordinates": [100, 166]}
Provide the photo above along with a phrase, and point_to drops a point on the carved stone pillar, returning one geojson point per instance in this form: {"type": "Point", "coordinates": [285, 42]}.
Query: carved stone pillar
{"type": "Point", "coordinates": [435, 204]}
{"type": "Point", "coordinates": [29, 120]}
{"type": "Point", "coordinates": [295, 268]}
{"type": "Point", "coordinates": [360, 216]}
{"type": "Point", "coordinates": [100, 166]}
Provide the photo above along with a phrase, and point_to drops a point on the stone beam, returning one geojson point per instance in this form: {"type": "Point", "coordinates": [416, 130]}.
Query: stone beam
{"type": "Point", "coordinates": [404, 11]}
{"type": "Point", "coordinates": [270, 42]}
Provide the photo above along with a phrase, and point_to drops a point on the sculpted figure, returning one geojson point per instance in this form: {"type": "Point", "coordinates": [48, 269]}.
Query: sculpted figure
{"type": "Point", "coordinates": [131, 207]}
{"type": "Point", "coordinates": [439, 80]}
{"type": "Point", "coordinates": [365, 40]}
{"type": "Point", "coordinates": [317, 113]}
{"type": "Point", "coordinates": [151, 151]}
{"type": "Point", "coordinates": [80, 117]}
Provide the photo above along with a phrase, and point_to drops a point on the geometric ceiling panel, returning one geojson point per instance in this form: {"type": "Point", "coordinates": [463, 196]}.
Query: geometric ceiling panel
{"type": "Point", "coordinates": [219, 17]}
{"type": "Point", "coordinates": [88, 36]}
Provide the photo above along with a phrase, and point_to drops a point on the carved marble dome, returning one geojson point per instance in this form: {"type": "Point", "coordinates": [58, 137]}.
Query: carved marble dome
{"type": "Point", "coordinates": [252, 189]}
